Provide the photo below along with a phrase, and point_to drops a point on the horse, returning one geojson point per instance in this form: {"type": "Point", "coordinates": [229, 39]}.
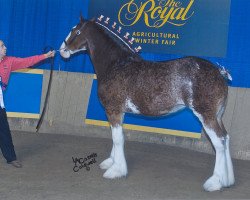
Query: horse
{"type": "Point", "coordinates": [129, 84]}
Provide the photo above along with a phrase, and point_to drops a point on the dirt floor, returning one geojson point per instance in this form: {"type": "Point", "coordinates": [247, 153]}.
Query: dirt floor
{"type": "Point", "coordinates": [155, 171]}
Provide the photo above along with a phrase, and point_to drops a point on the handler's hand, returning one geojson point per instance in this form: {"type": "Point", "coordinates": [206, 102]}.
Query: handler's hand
{"type": "Point", "coordinates": [50, 54]}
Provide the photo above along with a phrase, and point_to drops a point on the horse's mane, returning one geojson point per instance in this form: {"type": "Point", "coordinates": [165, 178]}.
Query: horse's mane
{"type": "Point", "coordinates": [113, 39]}
{"type": "Point", "coordinates": [115, 34]}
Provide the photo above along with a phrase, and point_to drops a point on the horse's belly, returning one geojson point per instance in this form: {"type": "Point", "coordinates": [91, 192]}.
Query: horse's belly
{"type": "Point", "coordinates": [162, 111]}
{"type": "Point", "coordinates": [173, 110]}
{"type": "Point", "coordinates": [152, 109]}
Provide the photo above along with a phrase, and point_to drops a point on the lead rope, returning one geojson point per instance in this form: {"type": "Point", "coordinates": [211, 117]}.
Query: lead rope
{"type": "Point", "coordinates": [48, 89]}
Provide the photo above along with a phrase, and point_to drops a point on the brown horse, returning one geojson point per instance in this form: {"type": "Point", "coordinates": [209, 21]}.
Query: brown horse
{"type": "Point", "coordinates": [127, 83]}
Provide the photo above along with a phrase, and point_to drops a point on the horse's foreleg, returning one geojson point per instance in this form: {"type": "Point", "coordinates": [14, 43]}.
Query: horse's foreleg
{"type": "Point", "coordinates": [106, 164]}
{"type": "Point", "coordinates": [116, 164]}
{"type": "Point", "coordinates": [119, 166]}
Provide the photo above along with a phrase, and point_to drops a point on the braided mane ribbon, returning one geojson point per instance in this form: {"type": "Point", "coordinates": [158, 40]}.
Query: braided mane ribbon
{"type": "Point", "coordinates": [128, 42]}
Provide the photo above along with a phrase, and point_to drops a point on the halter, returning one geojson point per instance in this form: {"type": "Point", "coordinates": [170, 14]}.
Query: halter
{"type": "Point", "coordinates": [39, 123]}
{"type": "Point", "coordinates": [129, 43]}
{"type": "Point", "coordinates": [77, 33]}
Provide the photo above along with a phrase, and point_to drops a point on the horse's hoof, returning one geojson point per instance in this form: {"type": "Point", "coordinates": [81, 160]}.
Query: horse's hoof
{"type": "Point", "coordinates": [231, 180]}
{"type": "Point", "coordinates": [106, 164]}
{"type": "Point", "coordinates": [115, 172]}
{"type": "Point", "coordinates": [212, 184]}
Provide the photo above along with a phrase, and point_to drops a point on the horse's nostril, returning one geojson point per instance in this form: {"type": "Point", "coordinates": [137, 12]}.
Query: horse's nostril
{"type": "Point", "coordinates": [64, 48]}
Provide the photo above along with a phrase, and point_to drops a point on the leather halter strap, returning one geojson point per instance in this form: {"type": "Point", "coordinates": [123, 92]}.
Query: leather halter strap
{"type": "Point", "coordinates": [48, 91]}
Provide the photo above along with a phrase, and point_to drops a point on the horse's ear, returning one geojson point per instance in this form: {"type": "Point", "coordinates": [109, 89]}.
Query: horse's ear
{"type": "Point", "coordinates": [81, 18]}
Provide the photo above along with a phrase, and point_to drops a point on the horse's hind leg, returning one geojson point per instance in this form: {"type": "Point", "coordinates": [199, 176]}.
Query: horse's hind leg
{"type": "Point", "coordinates": [230, 171]}
{"type": "Point", "coordinates": [223, 170]}
{"type": "Point", "coordinates": [115, 165]}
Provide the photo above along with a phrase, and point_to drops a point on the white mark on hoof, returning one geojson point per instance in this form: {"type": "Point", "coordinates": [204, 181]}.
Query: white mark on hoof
{"type": "Point", "coordinates": [115, 171]}
{"type": "Point", "coordinates": [212, 184]}
{"type": "Point", "coordinates": [106, 164]}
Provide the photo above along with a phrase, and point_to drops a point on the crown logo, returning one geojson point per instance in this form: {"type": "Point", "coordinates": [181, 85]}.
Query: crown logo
{"type": "Point", "coordinates": [117, 31]}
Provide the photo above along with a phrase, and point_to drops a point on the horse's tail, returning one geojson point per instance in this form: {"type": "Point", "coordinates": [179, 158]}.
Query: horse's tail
{"type": "Point", "coordinates": [225, 73]}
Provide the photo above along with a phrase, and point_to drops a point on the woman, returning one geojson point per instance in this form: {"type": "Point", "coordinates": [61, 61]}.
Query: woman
{"type": "Point", "coordinates": [8, 64]}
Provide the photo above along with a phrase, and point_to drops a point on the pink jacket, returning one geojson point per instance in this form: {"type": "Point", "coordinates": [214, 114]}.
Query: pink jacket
{"type": "Point", "coordinates": [9, 64]}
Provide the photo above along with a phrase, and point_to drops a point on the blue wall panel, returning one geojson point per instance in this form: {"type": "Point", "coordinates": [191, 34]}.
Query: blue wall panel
{"type": "Point", "coordinates": [23, 94]}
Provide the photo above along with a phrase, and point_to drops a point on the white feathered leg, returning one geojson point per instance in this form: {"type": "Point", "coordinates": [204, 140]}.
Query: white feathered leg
{"type": "Point", "coordinates": [223, 175]}
{"type": "Point", "coordinates": [106, 164]}
{"type": "Point", "coordinates": [119, 166]}
{"type": "Point", "coordinates": [219, 178]}
{"type": "Point", "coordinates": [231, 179]}
{"type": "Point", "coordinates": [229, 163]}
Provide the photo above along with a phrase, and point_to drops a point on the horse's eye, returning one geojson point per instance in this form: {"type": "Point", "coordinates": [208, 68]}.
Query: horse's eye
{"type": "Point", "coordinates": [78, 32]}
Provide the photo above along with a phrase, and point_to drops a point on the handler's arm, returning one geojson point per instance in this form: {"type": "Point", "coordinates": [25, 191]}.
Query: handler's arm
{"type": "Point", "coordinates": [21, 63]}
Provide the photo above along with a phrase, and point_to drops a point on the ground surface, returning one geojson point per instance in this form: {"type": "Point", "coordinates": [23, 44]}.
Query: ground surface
{"type": "Point", "coordinates": [155, 171]}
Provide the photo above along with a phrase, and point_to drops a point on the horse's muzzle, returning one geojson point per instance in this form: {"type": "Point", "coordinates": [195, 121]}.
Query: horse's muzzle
{"type": "Point", "coordinates": [64, 52]}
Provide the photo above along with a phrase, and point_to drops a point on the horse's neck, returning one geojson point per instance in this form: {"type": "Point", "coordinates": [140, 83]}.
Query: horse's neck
{"type": "Point", "coordinates": [105, 52]}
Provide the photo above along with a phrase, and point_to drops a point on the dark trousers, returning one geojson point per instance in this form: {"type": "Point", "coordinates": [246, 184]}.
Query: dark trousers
{"type": "Point", "coordinates": [6, 143]}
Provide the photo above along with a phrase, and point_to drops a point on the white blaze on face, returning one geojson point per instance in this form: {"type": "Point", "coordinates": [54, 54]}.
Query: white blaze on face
{"type": "Point", "coordinates": [65, 53]}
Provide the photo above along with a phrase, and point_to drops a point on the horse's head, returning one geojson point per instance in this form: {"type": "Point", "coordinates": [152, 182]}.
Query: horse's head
{"type": "Point", "coordinates": [75, 41]}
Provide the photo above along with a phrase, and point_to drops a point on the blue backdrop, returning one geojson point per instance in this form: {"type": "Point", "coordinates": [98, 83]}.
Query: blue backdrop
{"type": "Point", "coordinates": [191, 27]}
{"type": "Point", "coordinates": [27, 26]}
{"type": "Point", "coordinates": [24, 92]}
